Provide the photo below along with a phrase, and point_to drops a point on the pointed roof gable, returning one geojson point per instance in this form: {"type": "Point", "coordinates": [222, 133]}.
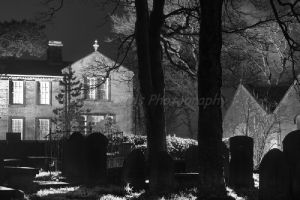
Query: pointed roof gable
{"type": "Point", "coordinates": [290, 90]}
{"type": "Point", "coordinates": [242, 91]}
{"type": "Point", "coordinates": [96, 64]}
{"type": "Point", "coordinates": [268, 96]}
{"type": "Point", "coordinates": [96, 59]}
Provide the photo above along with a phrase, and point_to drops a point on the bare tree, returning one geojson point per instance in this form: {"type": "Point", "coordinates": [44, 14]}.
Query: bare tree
{"type": "Point", "coordinates": [22, 37]}
{"type": "Point", "coordinates": [147, 35]}
{"type": "Point", "coordinates": [209, 87]}
{"type": "Point", "coordinates": [290, 28]}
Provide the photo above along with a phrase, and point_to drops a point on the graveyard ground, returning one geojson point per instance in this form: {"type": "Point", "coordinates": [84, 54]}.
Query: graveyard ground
{"type": "Point", "coordinates": [112, 192]}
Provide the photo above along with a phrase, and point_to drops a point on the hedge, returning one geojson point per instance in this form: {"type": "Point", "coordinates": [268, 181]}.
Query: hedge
{"type": "Point", "coordinates": [176, 146]}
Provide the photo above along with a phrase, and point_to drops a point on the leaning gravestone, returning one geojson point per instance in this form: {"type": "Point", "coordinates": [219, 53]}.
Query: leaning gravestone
{"type": "Point", "coordinates": [191, 159]}
{"type": "Point", "coordinates": [73, 157]}
{"type": "Point", "coordinates": [241, 162]}
{"type": "Point", "coordinates": [134, 169]}
{"type": "Point", "coordinates": [96, 158]}
{"type": "Point", "coordinates": [273, 176]}
{"type": "Point", "coordinates": [162, 172]}
{"type": "Point", "coordinates": [291, 150]}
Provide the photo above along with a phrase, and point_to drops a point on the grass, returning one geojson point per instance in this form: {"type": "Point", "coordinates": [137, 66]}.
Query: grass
{"type": "Point", "coordinates": [113, 192]}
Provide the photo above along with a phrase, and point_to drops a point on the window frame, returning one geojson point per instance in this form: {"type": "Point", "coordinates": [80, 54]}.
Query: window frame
{"type": "Point", "coordinates": [105, 89]}
{"type": "Point", "coordinates": [38, 128]}
{"type": "Point", "coordinates": [12, 119]}
{"type": "Point", "coordinates": [93, 123]}
{"type": "Point", "coordinates": [20, 96]}
{"type": "Point", "coordinates": [92, 89]}
{"type": "Point", "coordinates": [44, 96]}
{"type": "Point", "coordinates": [85, 124]}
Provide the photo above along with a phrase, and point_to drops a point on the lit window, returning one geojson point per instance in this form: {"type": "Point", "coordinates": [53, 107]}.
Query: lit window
{"type": "Point", "coordinates": [17, 126]}
{"type": "Point", "coordinates": [44, 128]}
{"type": "Point", "coordinates": [44, 93]}
{"type": "Point", "coordinates": [97, 118]}
{"type": "Point", "coordinates": [104, 90]}
{"type": "Point", "coordinates": [85, 123]}
{"type": "Point", "coordinates": [18, 92]}
{"type": "Point", "coordinates": [92, 88]}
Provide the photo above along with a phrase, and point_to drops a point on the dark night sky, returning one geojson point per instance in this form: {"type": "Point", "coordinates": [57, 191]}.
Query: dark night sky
{"type": "Point", "coordinates": [77, 24]}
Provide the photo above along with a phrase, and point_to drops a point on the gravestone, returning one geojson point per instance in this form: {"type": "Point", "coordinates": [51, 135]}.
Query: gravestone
{"type": "Point", "coordinates": [291, 147]}
{"type": "Point", "coordinates": [161, 173]}
{"type": "Point", "coordinates": [291, 150]}
{"type": "Point", "coordinates": [13, 137]}
{"type": "Point", "coordinates": [191, 159]}
{"type": "Point", "coordinates": [134, 169]}
{"type": "Point", "coordinates": [21, 178]}
{"type": "Point", "coordinates": [9, 193]}
{"type": "Point", "coordinates": [241, 162]}
{"type": "Point", "coordinates": [96, 158]}
{"type": "Point", "coordinates": [74, 157]}
{"type": "Point", "coordinates": [273, 176]}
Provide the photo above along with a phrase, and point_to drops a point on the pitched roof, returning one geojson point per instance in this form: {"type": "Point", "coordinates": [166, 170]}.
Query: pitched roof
{"type": "Point", "coordinates": [31, 67]}
{"type": "Point", "coordinates": [268, 96]}
{"type": "Point", "coordinates": [241, 92]}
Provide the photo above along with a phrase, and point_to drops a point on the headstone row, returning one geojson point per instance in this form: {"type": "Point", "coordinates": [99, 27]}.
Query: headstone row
{"type": "Point", "coordinates": [84, 158]}
{"type": "Point", "coordinates": [280, 171]}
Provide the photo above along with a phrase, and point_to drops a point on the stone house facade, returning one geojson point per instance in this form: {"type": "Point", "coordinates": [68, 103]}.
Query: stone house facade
{"type": "Point", "coordinates": [28, 89]}
{"type": "Point", "coordinates": [108, 90]}
{"type": "Point", "coordinates": [27, 93]}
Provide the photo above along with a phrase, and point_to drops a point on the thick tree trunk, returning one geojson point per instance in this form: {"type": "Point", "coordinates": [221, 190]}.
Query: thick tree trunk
{"type": "Point", "coordinates": [151, 77]}
{"type": "Point", "coordinates": [211, 181]}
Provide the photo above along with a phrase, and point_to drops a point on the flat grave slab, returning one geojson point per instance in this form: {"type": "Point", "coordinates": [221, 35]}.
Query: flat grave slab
{"type": "Point", "coordinates": [10, 193]}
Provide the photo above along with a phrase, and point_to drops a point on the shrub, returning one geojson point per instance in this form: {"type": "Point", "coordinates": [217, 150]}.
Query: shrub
{"type": "Point", "coordinates": [176, 146]}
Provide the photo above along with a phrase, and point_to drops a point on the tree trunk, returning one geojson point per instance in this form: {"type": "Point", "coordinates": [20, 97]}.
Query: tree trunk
{"type": "Point", "coordinates": [211, 181]}
{"type": "Point", "coordinates": [151, 77]}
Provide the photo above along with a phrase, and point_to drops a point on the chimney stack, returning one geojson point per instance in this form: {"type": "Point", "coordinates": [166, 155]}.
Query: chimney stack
{"type": "Point", "coordinates": [54, 52]}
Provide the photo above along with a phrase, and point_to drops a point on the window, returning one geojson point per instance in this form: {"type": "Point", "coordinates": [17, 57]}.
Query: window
{"type": "Point", "coordinates": [97, 118]}
{"type": "Point", "coordinates": [97, 89]}
{"type": "Point", "coordinates": [44, 93]}
{"type": "Point", "coordinates": [44, 128]}
{"type": "Point", "coordinates": [17, 92]}
{"type": "Point", "coordinates": [85, 123]}
{"type": "Point", "coordinates": [92, 88]}
{"type": "Point", "coordinates": [17, 126]}
{"type": "Point", "coordinates": [104, 90]}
